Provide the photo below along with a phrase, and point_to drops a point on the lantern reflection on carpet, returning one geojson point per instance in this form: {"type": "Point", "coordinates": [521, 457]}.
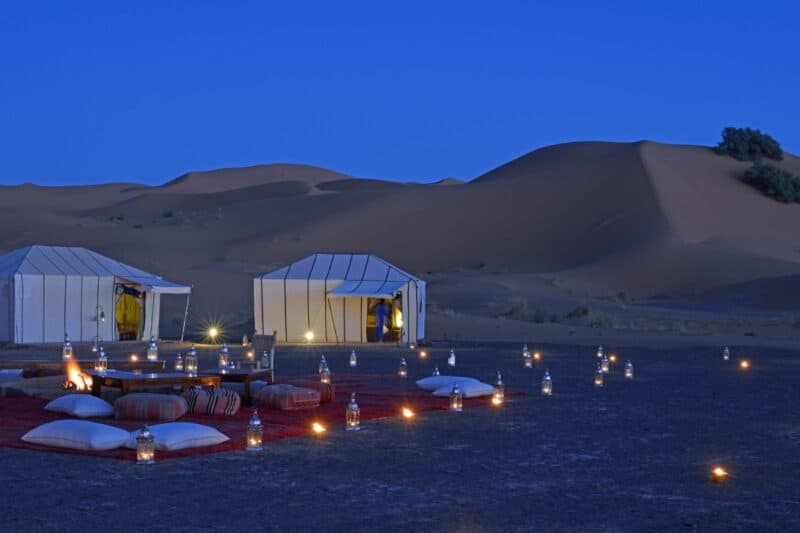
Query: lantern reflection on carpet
{"type": "Point", "coordinates": [145, 447]}
{"type": "Point", "coordinates": [179, 363]}
{"type": "Point", "coordinates": [456, 399]}
{"type": "Point", "coordinates": [598, 377]}
{"type": "Point", "coordinates": [353, 416]}
{"type": "Point", "coordinates": [628, 370]}
{"type": "Point", "coordinates": [353, 359]}
{"type": "Point", "coordinates": [255, 433]}
{"type": "Point", "coordinates": [325, 375]}
{"type": "Point", "coordinates": [66, 350]}
{"type": "Point", "coordinates": [403, 370]}
{"type": "Point", "coordinates": [547, 384]}
{"type": "Point", "coordinates": [190, 363]}
{"type": "Point", "coordinates": [451, 359]}
{"type": "Point", "coordinates": [152, 350]}
{"type": "Point", "coordinates": [499, 392]}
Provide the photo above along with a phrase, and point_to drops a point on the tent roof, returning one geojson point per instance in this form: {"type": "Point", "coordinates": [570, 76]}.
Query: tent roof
{"type": "Point", "coordinates": [77, 261]}
{"type": "Point", "coordinates": [350, 267]}
{"type": "Point", "coordinates": [368, 289]}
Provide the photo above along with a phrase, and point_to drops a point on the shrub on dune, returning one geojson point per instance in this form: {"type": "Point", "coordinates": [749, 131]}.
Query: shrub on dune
{"type": "Point", "coordinates": [746, 144]}
{"type": "Point", "coordinates": [774, 182]}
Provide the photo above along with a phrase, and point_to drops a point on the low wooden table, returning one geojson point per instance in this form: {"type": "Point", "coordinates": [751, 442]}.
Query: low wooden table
{"type": "Point", "coordinates": [126, 381]}
{"type": "Point", "coordinates": [245, 376]}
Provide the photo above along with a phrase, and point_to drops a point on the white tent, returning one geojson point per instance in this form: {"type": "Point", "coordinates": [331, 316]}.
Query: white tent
{"type": "Point", "coordinates": [335, 296]}
{"type": "Point", "coordinates": [46, 291]}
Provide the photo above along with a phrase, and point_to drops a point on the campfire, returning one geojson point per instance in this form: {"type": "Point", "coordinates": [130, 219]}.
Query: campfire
{"type": "Point", "coordinates": [75, 378]}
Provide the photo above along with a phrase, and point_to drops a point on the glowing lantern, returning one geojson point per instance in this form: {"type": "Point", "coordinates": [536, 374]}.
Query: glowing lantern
{"type": "Point", "coordinates": [598, 377]}
{"type": "Point", "coordinates": [66, 350]}
{"type": "Point", "coordinates": [451, 359]}
{"type": "Point", "coordinates": [436, 371]}
{"type": "Point", "coordinates": [423, 354]}
{"type": "Point", "coordinates": [101, 365]}
{"type": "Point", "coordinates": [537, 356]}
{"type": "Point", "coordinates": [95, 345]}
{"type": "Point", "coordinates": [190, 363]}
{"type": "Point", "coordinates": [407, 413]}
{"type": "Point", "coordinates": [499, 393]}
{"type": "Point", "coordinates": [250, 355]}
{"type": "Point", "coordinates": [547, 384]}
{"type": "Point", "coordinates": [526, 357]}
{"type": "Point", "coordinates": [718, 474]}
{"type": "Point", "coordinates": [322, 364]}
{"type": "Point", "coordinates": [133, 358]}
{"type": "Point", "coordinates": [179, 363]}
{"type": "Point", "coordinates": [403, 370]}
{"type": "Point", "coordinates": [353, 359]}
{"type": "Point", "coordinates": [152, 350]}
{"type": "Point", "coordinates": [325, 375]}
{"type": "Point", "coordinates": [245, 341]}
{"type": "Point", "coordinates": [726, 354]}
{"type": "Point", "coordinates": [600, 351]}
{"type": "Point", "coordinates": [744, 364]}
{"type": "Point", "coordinates": [145, 447]}
{"type": "Point", "coordinates": [223, 359]}
{"type": "Point", "coordinates": [628, 370]}
{"type": "Point", "coordinates": [604, 367]}
{"type": "Point", "coordinates": [255, 433]}
{"type": "Point", "coordinates": [412, 346]}
{"type": "Point", "coordinates": [318, 428]}
{"type": "Point", "coordinates": [456, 399]}
{"type": "Point", "coordinates": [612, 358]}
{"type": "Point", "coordinates": [353, 418]}
{"type": "Point", "coordinates": [309, 336]}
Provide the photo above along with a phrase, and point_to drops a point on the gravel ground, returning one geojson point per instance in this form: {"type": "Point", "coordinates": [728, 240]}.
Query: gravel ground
{"type": "Point", "coordinates": [632, 456]}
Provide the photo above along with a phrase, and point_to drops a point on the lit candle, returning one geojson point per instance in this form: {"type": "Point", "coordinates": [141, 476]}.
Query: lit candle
{"type": "Point", "coordinates": [353, 359]}
{"type": "Point", "coordinates": [499, 393]}
{"type": "Point", "coordinates": [152, 350]}
{"type": "Point", "coordinates": [223, 359]}
{"type": "Point", "coordinates": [547, 384]}
{"type": "Point", "coordinates": [145, 447]}
{"type": "Point", "coordinates": [600, 351]}
{"type": "Point", "coordinates": [66, 350]}
{"type": "Point", "coordinates": [604, 367]}
{"type": "Point", "coordinates": [598, 377]}
{"type": "Point", "coordinates": [456, 399]}
{"type": "Point", "coordinates": [318, 428]}
{"type": "Point", "coordinates": [744, 364]}
{"type": "Point", "coordinates": [179, 363]}
{"type": "Point", "coordinates": [325, 375]}
{"type": "Point", "coordinates": [726, 354]}
{"type": "Point", "coordinates": [407, 413]}
{"type": "Point", "coordinates": [537, 356]}
{"type": "Point", "coordinates": [612, 358]}
{"type": "Point", "coordinates": [190, 363]}
{"type": "Point", "coordinates": [526, 357]}
{"type": "Point", "coordinates": [628, 370]}
{"type": "Point", "coordinates": [718, 473]}
{"type": "Point", "coordinates": [353, 415]}
{"type": "Point", "coordinates": [133, 358]}
{"type": "Point", "coordinates": [423, 354]}
{"type": "Point", "coordinates": [255, 433]}
{"type": "Point", "coordinates": [403, 370]}
{"type": "Point", "coordinates": [101, 365]}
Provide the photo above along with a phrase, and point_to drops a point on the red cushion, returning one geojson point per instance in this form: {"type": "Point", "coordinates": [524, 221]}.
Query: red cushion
{"type": "Point", "coordinates": [286, 397]}
{"type": "Point", "coordinates": [212, 401]}
{"type": "Point", "coordinates": [151, 407]}
{"type": "Point", "coordinates": [327, 392]}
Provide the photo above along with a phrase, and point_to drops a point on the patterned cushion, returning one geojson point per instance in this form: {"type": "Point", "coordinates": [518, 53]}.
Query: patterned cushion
{"type": "Point", "coordinates": [327, 391]}
{"type": "Point", "coordinates": [152, 407]}
{"type": "Point", "coordinates": [286, 397]}
{"type": "Point", "coordinates": [212, 401]}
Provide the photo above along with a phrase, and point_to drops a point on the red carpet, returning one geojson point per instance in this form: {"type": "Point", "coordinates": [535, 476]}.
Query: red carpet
{"type": "Point", "coordinates": [21, 414]}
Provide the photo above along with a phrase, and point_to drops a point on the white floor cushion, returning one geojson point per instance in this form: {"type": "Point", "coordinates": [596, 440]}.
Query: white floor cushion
{"type": "Point", "coordinates": [180, 435]}
{"type": "Point", "coordinates": [470, 389]}
{"type": "Point", "coordinates": [238, 388]}
{"type": "Point", "coordinates": [433, 383]}
{"type": "Point", "coordinates": [78, 435]}
{"type": "Point", "coordinates": [80, 405]}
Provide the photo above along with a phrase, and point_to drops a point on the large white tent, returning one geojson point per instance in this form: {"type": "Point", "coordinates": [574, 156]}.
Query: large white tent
{"type": "Point", "coordinates": [47, 291]}
{"type": "Point", "coordinates": [334, 297]}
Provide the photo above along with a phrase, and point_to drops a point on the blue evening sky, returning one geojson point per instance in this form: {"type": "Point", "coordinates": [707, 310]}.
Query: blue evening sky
{"type": "Point", "coordinates": [145, 91]}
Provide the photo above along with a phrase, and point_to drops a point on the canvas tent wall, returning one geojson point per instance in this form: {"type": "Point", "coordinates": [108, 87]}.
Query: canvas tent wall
{"type": "Point", "coordinates": [46, 291]}
{"type": "Point", "coordinates": [328, 295]}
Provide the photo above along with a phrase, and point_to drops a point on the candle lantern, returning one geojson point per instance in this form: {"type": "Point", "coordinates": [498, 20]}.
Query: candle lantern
{"type": "Point", "coordinates": [604, 366]}
{"type": "Point", "coordinates": [456, 399]}
{"type": "Point", "coordinates": [265, 359]}
{"type": "Point", "coordinates": [190, 363]}
{"type": "Point", "coordinates": [628, 370]}
{"type": "Point", "coordinates": [353, 359]}
{"type": "Point", "coordinates": [726, 354]}
{"type": "Point", "coordinates": [598, 377]}
{"type": "Point", "coordinates": [718, 474]}
{"type": "Point", "coordinates": [145, 447]}
{"type": "Point", "coordinates": [451, 359]}
{"type": "Point", "coordinates": [436, 371]}
{"type": "Point", "coordinates": [403, 371]}
{"type": "Point", "coordinates": [322, 364]}
{"type": "Point", "coordinates": [245, 341]}
{"type": "Point", "coordinates": [66, 350]}
{"type": "Point", "coordinates": [255, 433]}
{"type": "Point", "coordinates": [223, 359]}
{"type": "Point", "coordinates": [179, 363]}
{"type": "Point", "coordinates": [325, 375]}
{"type": "Point", "coordinates": [353, 418]}
{"type": "Point", "coordinates": [101, 365]}
{"type": "Point", "coordinates": [547, 384]}
{"type": "Point", "coordinates": [152, 350]}
{"type": "Point", "coordinates": [526, 357]}
{"type": "Point", "coordinates": [499, 393]}
{"type": "Point", "coordinates": [600, 352]}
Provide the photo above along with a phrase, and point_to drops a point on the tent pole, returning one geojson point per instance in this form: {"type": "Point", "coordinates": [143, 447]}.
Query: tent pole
{"type": "Point", "coordinates": [185, 314]}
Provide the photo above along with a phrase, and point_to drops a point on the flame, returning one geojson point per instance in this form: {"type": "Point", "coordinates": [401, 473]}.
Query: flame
{"type": "Point", "coordinates": [407, 413]}
{"type": "Point", "coordinates": [496, 401]}
{"type": "Point", "coordinates": [318, 428]}
{"type": "Point", "coordinates": [719, 473]}
{"type": "Point", "coordinates": [74, 374]}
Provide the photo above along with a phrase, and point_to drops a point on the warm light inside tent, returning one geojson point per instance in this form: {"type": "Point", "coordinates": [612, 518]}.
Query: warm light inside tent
{"type": "Point", "coordinates": [309, 336]}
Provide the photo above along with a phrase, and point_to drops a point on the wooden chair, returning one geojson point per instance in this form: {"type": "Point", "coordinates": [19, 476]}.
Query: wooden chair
{"type": "Point", "coordinates": [266, 343]}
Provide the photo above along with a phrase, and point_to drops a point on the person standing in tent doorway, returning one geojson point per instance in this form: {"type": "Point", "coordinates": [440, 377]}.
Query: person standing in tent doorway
{"type": "Point", "coordinates": [381, 311]}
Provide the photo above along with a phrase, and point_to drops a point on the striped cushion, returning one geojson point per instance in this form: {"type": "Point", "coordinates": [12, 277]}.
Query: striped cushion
{"type": "Point", "coordinates": [149, 406]}
{"type": "Point", "coordinates": [212, 401]}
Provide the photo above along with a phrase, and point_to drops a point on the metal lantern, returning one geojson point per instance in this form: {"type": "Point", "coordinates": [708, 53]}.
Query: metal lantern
{"type": "Point", "coordinates": [245, 341]}
{"type": "Point", "coordinates": [726, 354]}
{"type": "Point", "coordinates": [600, 351]}
{"type": "Point", "coordinates": [223, 359]}
{"type": "Point", "coordinates": [628, 370]}
{"type": "Point", "coordinates": [499, 393]}
{"type": "Point", "coordinates": [598, 377]}
{"type": "Point", "coordinates": [547, 384]}
{"type": "Point", "coordinates": [66, 350]}
{"type": "Point", "coordinates": [353, 359]}
{"type": "Point", "coordinates": [456, 399]}
{"type": "Point", "coordinates": [527, 359]}
{"type": "Point", "coordinates": [436, 371]}
{"type": "Point", "coordinates": [353, 419]}
{"type": "Point", "coordinates": [190, 363]}
{"type": "Point", "coordinates": [145, 447]}
{"type": "Point", "coordinates": [101, 365]}
{"type": "Point", "coordinates": [604, 365]}
{"type": "Point", "coordinates": [325, 375]}
{"type": "Point", "coordinates": [403, 370]}
{"type": "Point", "coordinates": [265, 362]}
{"type": "Point", "coordinates": [179, 363]}
{"type": "Point", "coordinates": [322, 364]}
{"type": "Point", "coordinates": [451, 359]}
{"type": "Point", "coordinates": [152, 350]}
{"type": "Point", "coordinates": [255, 433]}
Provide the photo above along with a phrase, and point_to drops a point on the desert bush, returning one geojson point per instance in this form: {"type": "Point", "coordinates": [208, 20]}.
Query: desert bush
{"type": "Point", "coordinates": [774, 182]}
{"type": "Point", "coordinates": [746, 144]}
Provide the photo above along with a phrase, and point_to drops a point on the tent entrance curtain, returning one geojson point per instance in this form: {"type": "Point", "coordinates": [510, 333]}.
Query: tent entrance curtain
{"type": "Point", "coordinates": [367, 289]}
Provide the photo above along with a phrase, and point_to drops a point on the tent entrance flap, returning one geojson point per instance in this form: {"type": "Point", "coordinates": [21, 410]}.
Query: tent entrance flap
{"type": "Point", "coordinates": [367, 289]}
